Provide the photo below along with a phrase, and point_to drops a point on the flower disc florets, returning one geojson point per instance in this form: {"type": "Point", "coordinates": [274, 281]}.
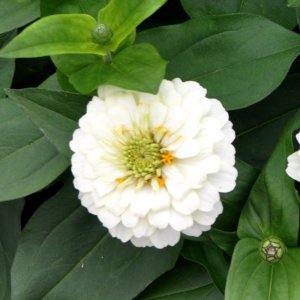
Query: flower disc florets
{"type": "Point", "coordinates": [142, 157]}
{"type": "Point", "coordinates": [152, 166]}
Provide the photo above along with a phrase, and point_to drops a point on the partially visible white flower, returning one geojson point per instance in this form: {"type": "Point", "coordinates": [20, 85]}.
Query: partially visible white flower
{"type": "Point", "coordinates": [293, 168]}
{"type": "Point", "coordinates": [152, 166]}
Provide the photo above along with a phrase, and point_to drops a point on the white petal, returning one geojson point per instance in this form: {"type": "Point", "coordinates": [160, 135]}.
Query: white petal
{"type": "Point", "coordinates": [187, 86]}
{"type": "Point", "coordinates": [121, 232]}
{"type": "Point", "coordinates": [218, 112]}
{"type": "Point", "coordinates": [226, 152]}
{"type": "Point", "coordinates": [175, 119]}
{"type": "Point", "coordinates": [102, 188]}
{"type": "Point", "coordinates": [158, 113]}
{"type": "Point", "coordinates": [112, 202]}
{"type": "Point", "coordinates": [128, 195]}
{"type": "Point", "coordinates": [165, 237]}
{"type": "Point", "coordinates": [225, 179]}
{"type": "Point", "coordinates": [173, 173]}
{"type": "Point", "coordinates": [96, 105]}
{"type": "Point", "coordinates": [293, 168]}
{"type": "Point", "coordinates": [188, 148]}
{"type": "Point", "coordinates": [160, 200]}
{"type": "Point", "coordinates": [190, 128]}
{"type": "Point", "coordinates": [177, 190]}
{"type": "Point", "coordinates": [168, 94]}
{"type": "Point", "coordinates": [204, 218]}
{"type": "Point", "coordinates": [179, 221]}
{"type": "Point", "coordinates": [159, 219]}
{"type": "Point", "coordinates": [208, 218]}
{"type": "Point", "coordinates": [208, 195]}
{"type": "Point", "coordinates": [196, 230]}
{"type": "Point", "coordinates": [196, 103]}
{"type": "Point", "coordinates": [207, 165]}
{"type": "Point", "coordinates": [141, 204]}
{"type": "Point", "coordinates": [229, 134]}
{"type": "Point", "coordinates": [143, 229]}
{"type": "Point", "coordinates": [129, 219]}
{"type": "Point", "coordinates": [108, 219]}
{"type": "Point", "coordinates": [187, 204]}
{"type": "Point", "coordinates": [83, 185]}
{"type": "Point", "coordinates": [141, 242]}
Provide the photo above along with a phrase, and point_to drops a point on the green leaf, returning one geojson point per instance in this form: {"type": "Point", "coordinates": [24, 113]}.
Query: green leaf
{"type": "Point", "coordinates": [250, 277]}
{"type": "Point", "coordinates": [223, 54]}
{"type": "Point", "coordinates": [58, 34]}
{"type": "Point", "coordinates": [224, 240]}
{"type": "Point", "coordinates": [55, 113]}
{"type": "Point", "coordinates": [64, 82]}
{"type": "Point", "coordinates": [273, 205]}
{"type": "Point", "coordinates": [67, 248]}
{"type": "Point", "coordinates": [260, 126]}
{"type": "Point", "coordinates": [16, 13]}
{"type": "Point", "coordinates": [293, 3]}
{"type": "Point", "coordinates": [51, 83]}
{"type": "Point", "coordinates": [234, 201]}
{"type": "Point", "coordinates": [28, 161]}
{"type": "Point", "coordinates": [90, 7]}
{"type": "Point", "coordinates": [6, 64]}
{"type": "Point", "coordinates": [210, 257]}
{"type": "Point", "coordinates": [138, 67]}
{"type": "Point", "coordinates": [275, 10]}
{"type": "Point", "coordinates": [182, 281]}
{"type": "Point", "coordinates": [123, 17]}
{"type": "Point", "coordinates": [207, 292]}
{"type": "Point", "coordinates": [10, 231]}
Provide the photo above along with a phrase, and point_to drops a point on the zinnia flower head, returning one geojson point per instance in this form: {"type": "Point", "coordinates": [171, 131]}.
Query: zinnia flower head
{"type": "Point", "coordinates": [151, 166]}
{"type": "Point", "coordinates": [293, 168]}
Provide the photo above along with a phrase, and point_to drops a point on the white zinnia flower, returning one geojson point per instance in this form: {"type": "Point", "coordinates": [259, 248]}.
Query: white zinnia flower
{"type": "Point", "coordinates": [293, 168]}
{"type": "Point", "coordinates": [152, 166]}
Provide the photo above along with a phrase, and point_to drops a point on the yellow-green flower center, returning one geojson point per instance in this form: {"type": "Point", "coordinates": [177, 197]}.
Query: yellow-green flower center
{"type": "Point", "coordinates": [143, 157]}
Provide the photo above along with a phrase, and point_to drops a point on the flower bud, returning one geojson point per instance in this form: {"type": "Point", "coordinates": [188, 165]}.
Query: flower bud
{"type": "Point", "coordinates": [101, 34]}
{"type": "Point", "coordinates": [272, 249]}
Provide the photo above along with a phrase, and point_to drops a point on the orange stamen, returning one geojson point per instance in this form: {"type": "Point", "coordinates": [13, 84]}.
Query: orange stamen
{"type": "Point", "coordinates": [167, 158]}
{"type": "Point", "coordinates": [120, 180]}
{"type": "Point", "coordinates": [161, 181]}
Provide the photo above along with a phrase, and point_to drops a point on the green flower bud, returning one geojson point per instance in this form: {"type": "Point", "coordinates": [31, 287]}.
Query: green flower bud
{"type": "Point", "coordinates": [272, 249]}
{"type": "Point", "coordinates": [101, 34]}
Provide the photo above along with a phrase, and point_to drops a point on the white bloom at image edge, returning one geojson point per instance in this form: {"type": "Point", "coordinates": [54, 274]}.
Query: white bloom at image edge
{"type": "Point", "coordinates": [293, 168]}
{"type": "Point", "coordinates": [151, 167]}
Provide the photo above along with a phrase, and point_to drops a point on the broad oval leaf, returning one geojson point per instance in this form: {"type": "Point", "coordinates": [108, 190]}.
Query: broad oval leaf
{"type": "Point", "coordinates": [223, 54]}
{"type": "Point", "coordinates": [77, 259]}
{"type": "Point", "coordinates": [250, 277]}
{"type": "Point", "coordinates": [28, 161]}
{"type": "Point", "coordinates": [138, 67]}
{"type": "Point", "coordinates": [272, 208]}
{"type": "Point", "coordinates": [181, 281]}
{"type": "Point", "coordinates": [16, 13]}
{"type": "Point", "coordinates": [210, 257]}
{"type": "Point", "coordinates": [57, 34]}
{"type": "Point", "coordinates": [7, 66]}
{"type": "Point", "coordinates": [293, 3]}
{"type": "Point", "coordinates": [260, 126]}
{"type": "Point", "coordinates": [10, 231]}
{"type": "Point", "coordinates": [56, 114]}
{"type": "Point", "coordinates": [124, 16]}
{"type": "Point", "coordinates": [275, 10]}
{"type": "Point", "coordinates": [90, 7]}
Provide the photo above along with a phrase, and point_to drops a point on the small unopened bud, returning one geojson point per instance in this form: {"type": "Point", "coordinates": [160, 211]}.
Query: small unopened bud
{"type": "Point", "coordinates": [102, 34]}
{"type": "Point", "coordinates": [272, 249]}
